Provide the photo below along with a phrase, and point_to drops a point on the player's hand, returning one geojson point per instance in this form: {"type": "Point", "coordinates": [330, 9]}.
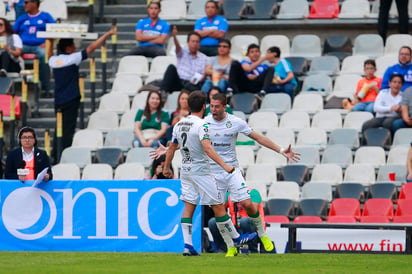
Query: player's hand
{"type": "Point", "coordinates": [167, 172]}
{"type": "Point", "coordinates": [292, 156]}
{"type": "Point", "coordinates": [229, 169]}
{"type": "Point", "coordinates": [155, 154]}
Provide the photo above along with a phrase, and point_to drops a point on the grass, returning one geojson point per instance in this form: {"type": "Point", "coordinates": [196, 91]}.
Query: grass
{"type": "Point", "coordinates": [85, 262]}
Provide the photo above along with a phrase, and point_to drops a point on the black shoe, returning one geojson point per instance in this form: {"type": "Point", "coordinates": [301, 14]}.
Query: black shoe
{"type": "Point", "coordinates": [3, 73]}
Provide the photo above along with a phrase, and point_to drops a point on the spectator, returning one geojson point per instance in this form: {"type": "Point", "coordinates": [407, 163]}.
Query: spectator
{"type": "Point", "coordinates": [218, 68]}
{"type": "Point", "coordinates": [366, 91]}
{"type": "Point", "coordinates": [406, 111]}
{"type": "Point", "coordinates": [384, 7]}
{"type": "Point", "coordinates": [409, 165]}
{"type": "Point", "coordinates": [151, 33]}
{"type": "Point", "coordinates": [66, 82]}
{"type": "Point", "coordinates": [27, 27]}
{"type": "Point", "coordinates": [190, 70]}
{"type": "Point", "coordinates": [249, 76]}
{"type": "Point", "coordinates": [211, 28]}
{"type": "Point", "coordinates": [156, 170]}
{"type": "Point", "coordinates": [213, 91]}
{"type": "Point", "coordinates": [27, 156]}
{"type": "Point", "coordinates": [281, 75]}
{"type": "Point", "coordinates": [151, 123]}
{"type": "Point", "coordinates": [240, 219]}
{"type": "Point", "coordinates": [11, 48]}
{"type": "Point", "coordinates": [182, 107]}
{"type": "Point", "coordinates": [386, 106]}
{"type": "Point", "coordinates": [404, 68]}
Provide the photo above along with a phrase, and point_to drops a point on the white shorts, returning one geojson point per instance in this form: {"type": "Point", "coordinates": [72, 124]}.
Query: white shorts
{"type": "Point", "coordinates": [203, 186]}
{"type": "Point", "coordinates": [234, 183]}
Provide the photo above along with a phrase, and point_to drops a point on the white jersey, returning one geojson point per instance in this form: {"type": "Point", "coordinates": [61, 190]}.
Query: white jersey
{"type": "Point", "coordinates": [188, 133]}
{"type": "Point", "coordinates": [224, 135]}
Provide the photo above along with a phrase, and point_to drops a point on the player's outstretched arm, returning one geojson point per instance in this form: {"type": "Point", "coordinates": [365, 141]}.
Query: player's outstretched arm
{"type": "Point", "coordinates": [167, 172]}
{"type": "Point", "coordinates": [210, 151]}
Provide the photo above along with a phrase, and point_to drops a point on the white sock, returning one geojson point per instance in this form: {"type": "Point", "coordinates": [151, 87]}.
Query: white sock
{"type": "Point", "coordinates": [187, 233]}
{"type": "Point", "coordinates": [227, 230]}
{"type": "Point", "coordinates": [257, 221]}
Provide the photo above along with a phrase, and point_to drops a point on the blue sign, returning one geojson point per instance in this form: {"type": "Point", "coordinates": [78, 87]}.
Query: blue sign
{"type": "Point", "coordinates": [142, 216]}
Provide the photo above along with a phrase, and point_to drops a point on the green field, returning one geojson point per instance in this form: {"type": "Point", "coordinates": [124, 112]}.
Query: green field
{"type": "Point", "coordinates": [85, 262]}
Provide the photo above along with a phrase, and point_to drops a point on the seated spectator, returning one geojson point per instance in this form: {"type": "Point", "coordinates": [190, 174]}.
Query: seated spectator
{"type": "Point", "coordinates": [240, 219]}
{"type": "Point", "coordinates": [151, 33]}
{"type": "Point", "coordinates": [386, 106]}
{"type": "Point", "coordinates": [11, 48]}
{"type": "Point", "coordinates": [182, 108]}
{"type": "Point", "coordinates": [191, 64]}
{"type": "Point", "coordinates": [213, 91]}
{"type": "Point", "coordinates": [406, 111]}
{"type": "Point", "coordinates": [282, 78]}
{"type": "Point", "coordinates": [27, 26]}
{"type": "Point", "coordinates": [27, 157]}
{"type": "Point", "coordinates": [218, 67]}
{"type": "Point", "coordinates": [151, 123]}
{"type": "Point", "coordinates": [156, 170]}
{"type": "Point", "coordinates": [366, 91]}
{"type": "Point", "coordinates": [403, 67]}
{"type": "Point", "coordinates": [249, 76]}
{"type": "Point", "coordinates": [211, 28]}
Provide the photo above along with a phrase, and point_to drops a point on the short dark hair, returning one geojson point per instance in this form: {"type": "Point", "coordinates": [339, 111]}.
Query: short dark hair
{"type": "Point", "coordinates": [220, 97]}
{"type": "Point", "coordinates": [193, 33]}
{"type": "Point", "coordinates": [24, 130]}
{"type": "Point", "coordinates": [406, 47]}
{"type": "Point", "coordinates": [214, 2]}
{"type": "Point", "coordinates": [397, 75]}
{"type": "Point", "coordinates": [63, 44]}
{"type": "Point", "coordinates": [155, 2]}
{"type": "Point", "coordinates": [36, 1]}
{"type": "Point", "coordinates": [369, 62]}
{"type": "Point", "coordinates": [275, 50]}
{"type": "Point", "coordinates": [252, 46]}
{"type": "Point", "coordinates": [196, 101]}
{"type": "Point", "coordinates": [226, 41]}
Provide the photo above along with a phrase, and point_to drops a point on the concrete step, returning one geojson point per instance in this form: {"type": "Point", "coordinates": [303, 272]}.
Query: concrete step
{"type": "Point", "coordinates": [125, 8]}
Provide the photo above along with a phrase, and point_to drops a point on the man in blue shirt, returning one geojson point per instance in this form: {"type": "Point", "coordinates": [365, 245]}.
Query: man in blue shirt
{"type": "Point", "coordinates": [211, 28]}
{"type": "Point", "coordinates": [404, 68]}
{"type": "Point", "coordinates": [27, 26]}
{"type": "Point", "coordinates": [151, 33]}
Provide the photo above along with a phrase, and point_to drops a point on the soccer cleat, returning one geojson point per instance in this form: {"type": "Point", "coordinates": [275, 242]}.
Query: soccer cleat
{"type": "Point", "coordinates": [231, 252]}
{"type": "Point", "coordinates": [189, 251]}
{"type": "Point", "coordinates": [245, 238]}
{"type": "Point", "coordinates": [267, 243]}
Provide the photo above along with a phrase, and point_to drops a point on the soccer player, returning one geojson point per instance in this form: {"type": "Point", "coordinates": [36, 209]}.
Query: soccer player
{"type": "Point", "coordinates": [192, 135]}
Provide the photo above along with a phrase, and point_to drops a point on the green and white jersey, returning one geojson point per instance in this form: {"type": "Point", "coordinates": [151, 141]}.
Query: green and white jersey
{"type": "Point", "coordinates": [224, 135]}
{"type": "Point", "coordinates": [188, 133]}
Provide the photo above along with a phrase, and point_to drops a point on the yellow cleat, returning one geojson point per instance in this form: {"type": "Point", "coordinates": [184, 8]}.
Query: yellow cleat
{"type": "Point", "coordinates": [267, 243]}
{"type": "Point", "coordinates": [231, 252]}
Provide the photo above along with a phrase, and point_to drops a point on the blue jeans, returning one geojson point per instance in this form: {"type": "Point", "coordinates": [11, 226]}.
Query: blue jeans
{"type": "Point", "coordinates": [397, 124]}
{"type": "Point", "coordinates": [367, 106]}
{"type": "Point", "coordinates": [136, 142]}
{"type": "Point", "coordinates": [287, 88]}
{"type": "Point", "coordinates": [40, 54]}
{"type": "Point", "coordinates": [208, 84]}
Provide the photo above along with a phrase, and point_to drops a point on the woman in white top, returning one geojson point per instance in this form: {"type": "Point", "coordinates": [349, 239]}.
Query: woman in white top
{"type": "Point", "coordinates": [387, 105]}
{"type": "Point", "coordinates": [10, 48]}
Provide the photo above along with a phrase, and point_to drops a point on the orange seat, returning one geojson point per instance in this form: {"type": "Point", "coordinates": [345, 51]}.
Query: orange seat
{"type": "Point", "coordinates": [341, 219]}
{"type": "Point", "coordinates": [324, 9]}
{"type": "Point", "coordinates": [345, 207]}
{"type": "Point", "coordinates": [276, 219]}
{"type": "Point", "coordinates": [374, 219]}
{"type": "Point", "coordinates": [402, 219]}
{"type": "Point", "coordinates": [378, 207]}
{"type": "Point", "coordinates": [406, 191]}
{"type": "Point", "coordinates": [404, 207]}
{"type": "Point", "coordinates": [5, 105]}
{"type": "Point", "coordinates": [307, 220]}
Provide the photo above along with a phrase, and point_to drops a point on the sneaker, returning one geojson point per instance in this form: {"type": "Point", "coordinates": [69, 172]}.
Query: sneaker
{"type": "Point", "coordinates": [3, 73]}
{"type": "Point", "coordinates": [189, 251]}
{"type": "Point", "coordinates": [267, 243]}
{"type": "Point", "coordinates": [231, 252]}
{"type": "Point", "coordinates": [244, 238]}
{"type": "Point", "coordinates": [260, 95]}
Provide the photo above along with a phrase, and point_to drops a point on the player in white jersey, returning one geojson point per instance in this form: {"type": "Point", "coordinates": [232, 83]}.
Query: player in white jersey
{"type": "Point", "coordinates": [225, 128]}
{"type": "Point", "coordinates": [192, 135]}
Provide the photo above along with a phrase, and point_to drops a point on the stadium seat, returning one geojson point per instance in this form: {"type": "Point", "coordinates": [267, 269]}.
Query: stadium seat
{"type": "Point", "coordinates": [232, 9]}
{"type": "Point", "coordinates": [353, 65]}
{"type": "Point", "coordinates": [383, 190]}
{"type": "Point", "coordinates": [56, 8]}
{"type": "Point", "coordinates": [295, 173]}
{"type": "Point", "coordinates": [281, 207]}
{"type": "Point", "coordinates": [299, 65]}
{"type": "Point", "coordinates": [171, 101]}
{"type": "Point", "coordinates": [383, 62]}
{"type": "Point", "coordinates": [91, 138]}
{"type": "Point", "coordinates": [337, 44]}
{"type": "Point", "coordinates": [374, 156]}
{"type": "Point", "coordinates": [281, 41]}
{"type": "Point", "coordinates": [244, 102]}
{"type": "Point", "coordinates": [127, 120]}
{"type": "Point", "coordinates": [403, 136]}
{"type": "Point", "coordinates": [241, 115]}
{"type": "Point", "coordinates": [394, 42]}
{"type": "Point", "coordinates": [282, 136]}
{"type": "Point", "coordinates": [317, 191]}
{"type": "Point", "coordinates": [117, 102]}
{"type": "Point", "coordinates": [109, 155]}
{"type": "Point", "coordinates": [404, 207]}
{"type": "Point", "coordinates": [370, 45]}
{"type": "Point", "coordinates": [317, 83]}
{"type": "Point", "coordinates": [245, 156]}
{"type": "Point", "coordinates": [263, 10]}
{"type": "Point", "coordinates": [327, 173]}
{"type": "Point", "coordinates": [196, 10]}
{"type": "Point", "coordinates": [407, 219]}
{"type": "Point", "coordinates": [329, 65]}
{"type": "Point", "coordinates": [345, 136]}
{"type": "Point", "coordinates": [129, 171]}
{"type": "Point", "coordinates": [306, 45]}
{"type": "Point", "coordinates": [140, 155]}
{"type": "Point", "coordinates": [324, 9]}
{"type": "Point", "coordinates": [337, 154]}
{"type": "Point", "coordinates": [340, 219]}
{"type": "Point", "coordinates": [240, 44]}
{"type": "Point", "coordinates": [350, 190]}
{"type": "Point", "coordinates": [139, 101]}
{"type": "Point", "coordinates": [360, 173]}
{"type": "Point", "coordinates": [171, 47]}
{"type": "Point", "coordinates": [307, 220]}
{"type": "Point", "coordinates": [120, 138]}
{"type": "Point", "coordinates": [263, 172]}
{"type": "Point", "coordinates": [308, 102]}
{"type": "Point", "coordinates": [314, 137]}
{"type": "Point", "coordinates": [268, 156]}
{"type": "Point", "coordinates": [81, 156]}
{"type": "Point", "coordinates": [66, 171]}
{"type": "Point", "coordinates": [378, 207]}
{"type": "Point", "coordinates": [345, 85]}
{"type": "Point", "coordinates": [399, 170]}
{"type": "Point", "coordinates": [173, 10]}
{"type": "Point", "coordinates": [276, 219]}
{"type": "Point", "coordinates": [103, 120]}
{"type": "Point", "coordinates": [284, 190]}
{"type": "Point", "coordinates": [378, 137]}
{"type": "Point", "coordinates": [406, 191]}
{"type": "Point", "coordinates": [159, 65]}
{"type": "Point", "coordinates": [5, 100]}
{"type": "Point", "coordinates": [327, 120]}
{"type": "Point", "coordinates": [345, 207]}
{"type": "Point", "coordinates": [263, 121]}
{"type": "Point", "coordinates": [97, 172]}
{"type": "Point", "coordinates": [355, 119]}
{"type": "Point", "coordinates": [373, 219]}
{"type": "Point", "coordinates": [293, 9]}
{"type": "Point", "coordinates": [354, 9]}
{"type": "Point", "coordinates": [133, 64]}
{"type": "Point", "coordinates": [127, 83]}
{"type": "Point", "coordinates": [309, 156]}
{"type": "Point", "coordinates": [295, 120]}
{"type": "Point", "coordinates": [260, 186]}
{"type": "Point", "coordinates": [397, 155]}
{"type": "Point", "coordinates": [277, 102]}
